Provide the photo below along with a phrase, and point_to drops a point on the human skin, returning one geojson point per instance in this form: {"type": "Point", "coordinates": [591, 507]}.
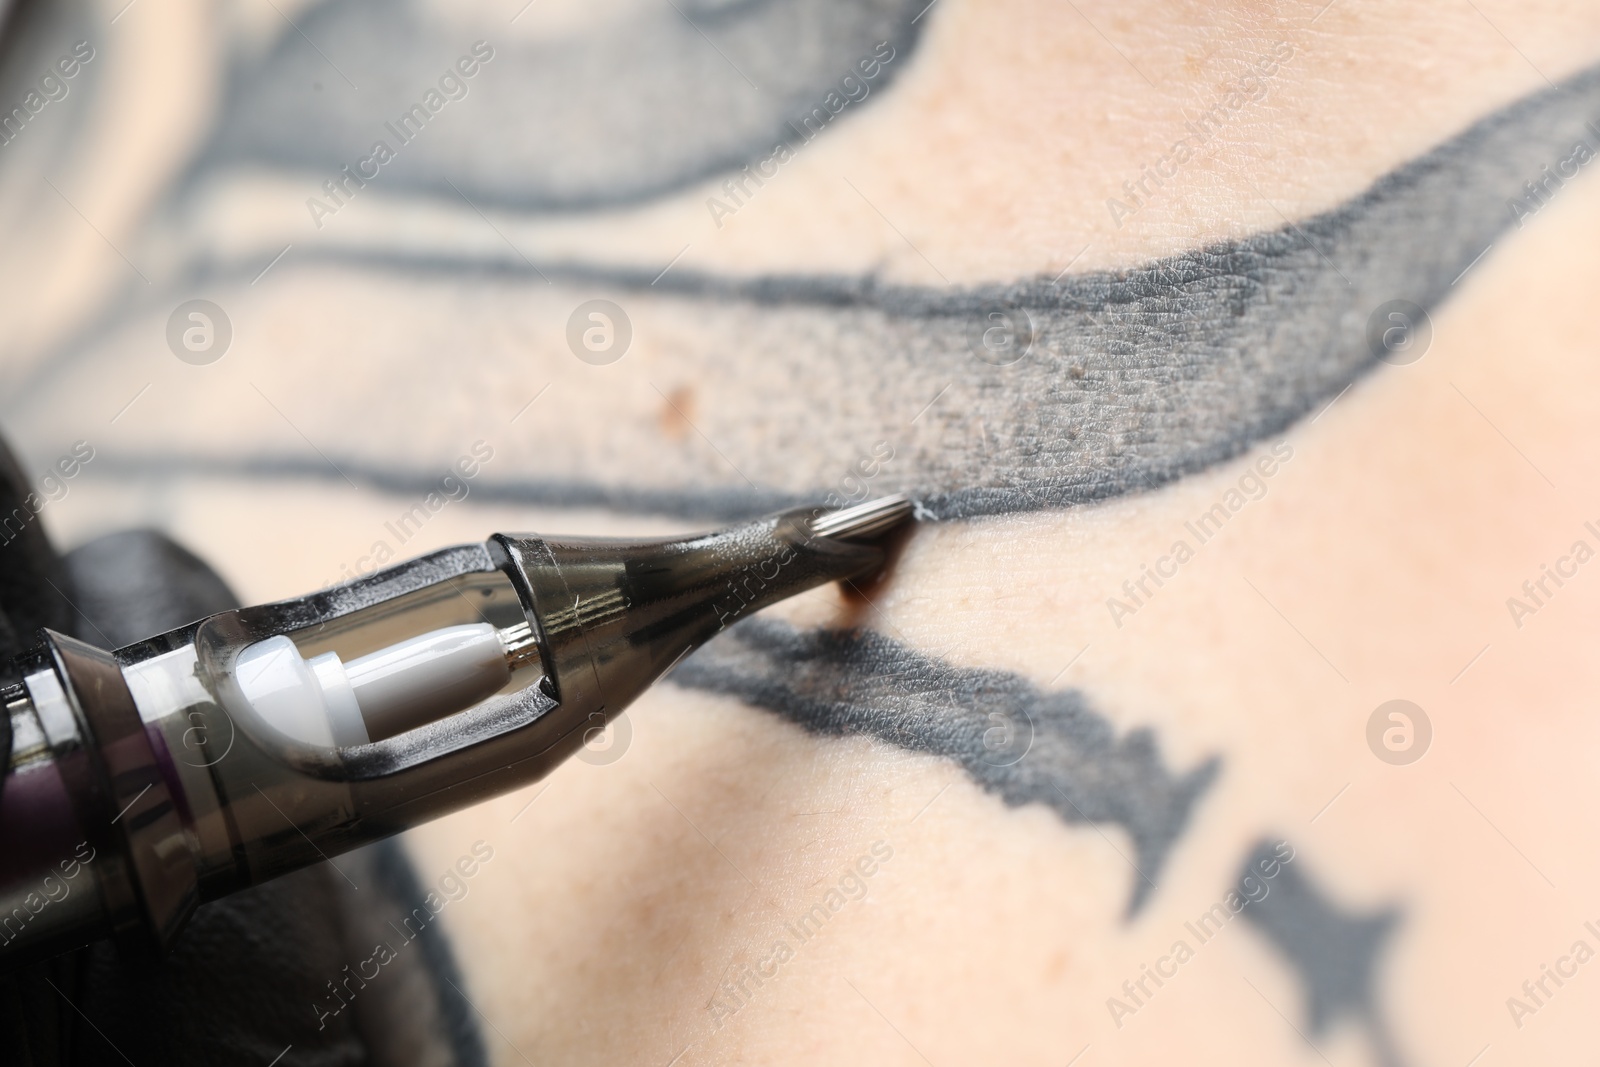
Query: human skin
{"type": "Point", "coordinates": [1376, 566]}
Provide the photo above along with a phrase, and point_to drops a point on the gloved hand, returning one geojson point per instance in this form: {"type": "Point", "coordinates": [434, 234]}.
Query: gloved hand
{"type": "Point", "coordinates": [250, 980]}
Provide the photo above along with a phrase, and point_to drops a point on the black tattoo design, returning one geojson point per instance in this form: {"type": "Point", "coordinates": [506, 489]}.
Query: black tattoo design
{"type": "Point", "coordinates": [1334, 953]}
{"type": "Point", "coordinates": [1134, 377]}
{"type": "Point", "coordinates": [1014, 739]}
{"type": "Point", "coordinates": [631, 108]}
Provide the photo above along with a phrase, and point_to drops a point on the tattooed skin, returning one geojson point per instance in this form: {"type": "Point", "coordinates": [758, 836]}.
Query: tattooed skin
{"type": "Point", "coordinates": [1129, 379]}
{"type": "Point", "coordinates": [387, 304]}
{"type": "Point", "coordinates": [1334, 954]}
{"type": "Point", "coordinates": [1027, 745]}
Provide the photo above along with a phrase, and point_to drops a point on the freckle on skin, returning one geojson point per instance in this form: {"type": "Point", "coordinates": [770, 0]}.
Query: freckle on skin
{"type": "Point", "coordinates": [677, 413]}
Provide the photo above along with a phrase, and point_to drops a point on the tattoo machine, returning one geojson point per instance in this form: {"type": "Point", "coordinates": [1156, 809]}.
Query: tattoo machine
{"type": "Point", "coordinates": [252, 743]}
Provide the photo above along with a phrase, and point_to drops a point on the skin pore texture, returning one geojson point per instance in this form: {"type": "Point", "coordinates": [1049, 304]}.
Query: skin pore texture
{"type": "Point", "coordinates": [1068, 760]}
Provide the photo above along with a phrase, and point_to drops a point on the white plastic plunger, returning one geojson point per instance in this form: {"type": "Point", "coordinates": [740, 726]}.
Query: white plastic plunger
{"type": "Point", "coordinates": [324, 701]}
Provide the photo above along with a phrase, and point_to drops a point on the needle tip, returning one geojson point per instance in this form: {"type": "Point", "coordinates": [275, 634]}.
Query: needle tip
{"type": "Point", "coordinates": [863, 522]}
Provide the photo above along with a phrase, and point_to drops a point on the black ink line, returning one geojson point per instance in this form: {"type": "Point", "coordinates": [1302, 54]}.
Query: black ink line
{"type": "Point", "coordinates": [1028, 745]}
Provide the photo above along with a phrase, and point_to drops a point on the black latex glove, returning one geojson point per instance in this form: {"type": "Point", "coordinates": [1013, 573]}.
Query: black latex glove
{"type": "Point", "coordinates": [247, 980]}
